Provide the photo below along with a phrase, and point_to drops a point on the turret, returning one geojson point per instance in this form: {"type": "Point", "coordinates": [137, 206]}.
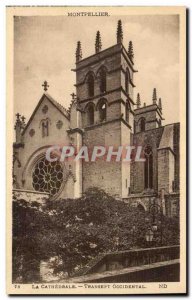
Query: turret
{"type": "Point", "coordinates": [138, 101]}
{"type": "Point", "coordinates": [149, 116]}
{"type": "Point", "coordinates": [130, 51]}
{"type": "Point", "coordinates": [160, 104]}
{"type": "Point", "coordinates": [119, 32]}
{"type": "Point", "coordinates": [154, 97]}
{"type": "Point", "coordinates": [78, 52]}
{"type": "Point", "coordinates": [98, 44]}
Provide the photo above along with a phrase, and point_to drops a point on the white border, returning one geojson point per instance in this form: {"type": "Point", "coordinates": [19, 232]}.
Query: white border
{"type": "Point", "coordinates": [3, 3]}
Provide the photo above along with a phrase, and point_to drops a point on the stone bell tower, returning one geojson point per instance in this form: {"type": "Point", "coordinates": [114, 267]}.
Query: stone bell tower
{"type": "Point", "coordinates": [104, 89]}
{"type": "Point", "coordinates": [149, 116]}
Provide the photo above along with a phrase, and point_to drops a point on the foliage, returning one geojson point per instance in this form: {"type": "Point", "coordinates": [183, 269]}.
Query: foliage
{"type": "Point", "coordinates": [76, 231]}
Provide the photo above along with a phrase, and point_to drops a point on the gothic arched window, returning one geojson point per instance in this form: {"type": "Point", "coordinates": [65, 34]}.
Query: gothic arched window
{"type": "Point", "coordinates": [140, 207]}
{"type": "Point", "coordinates": [103, 80]}
{"type": "Point", "coordinates": [90, 114]}
{"type": "Point", "coordinates": [148, 167]}
{"type": "Point", "coordinates": [127, 82]}
{"type": "Point", "coordinates": [102, 108]}
{"type": "Point", "coordinates": [90, 82]}
{"type": "Point", "coordinates": [142, 124]}
{"type": "Point", "coordinates": [127, 108]}
{"type": "Point", "coordinates": [45, 127]}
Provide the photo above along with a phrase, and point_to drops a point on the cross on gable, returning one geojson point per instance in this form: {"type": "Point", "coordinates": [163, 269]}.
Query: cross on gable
{"type": "Point", "coordinates": [18, 115]}
{"type": "Point", "coordinates": [73, 96]}
{"type": "Point", "coordinates": [45, 85]}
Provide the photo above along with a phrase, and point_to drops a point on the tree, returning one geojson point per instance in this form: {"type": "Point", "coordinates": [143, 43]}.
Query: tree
{"type": "Point", "coordinates": [77, 230]}
{"type": "Point", "coordinates": [29, 223]}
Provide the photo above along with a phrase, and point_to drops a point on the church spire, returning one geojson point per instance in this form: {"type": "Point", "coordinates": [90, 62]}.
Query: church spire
{"type": "Point", "coordinates": [160, 104]}
{"type": "Point", "coordinates": [138, 102]}
{"type": "Point", "coordinates": [78, 52]}
{"type": "Point", "coordinates": [154, 98]}
{"type": "Point", "coordinates": [130, 51]}
{"type": "Point", "coordinates": [98, 44]}
{"type": "Point", "coordinates": [119, 32]}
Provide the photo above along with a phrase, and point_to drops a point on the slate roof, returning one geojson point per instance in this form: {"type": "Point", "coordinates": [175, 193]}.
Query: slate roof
{"type": "Point", "coordinates": [62, 109]}
{"type": "Point", "coordinates": [167, 137]}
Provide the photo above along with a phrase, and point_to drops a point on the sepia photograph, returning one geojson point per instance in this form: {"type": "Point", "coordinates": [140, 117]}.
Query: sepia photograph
{"type": "Point", "coordinates": [96, 150]}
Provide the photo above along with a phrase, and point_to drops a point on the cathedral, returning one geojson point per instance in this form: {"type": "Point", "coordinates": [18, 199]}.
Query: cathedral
{"type": "Point", "coordinates": [103, 112]}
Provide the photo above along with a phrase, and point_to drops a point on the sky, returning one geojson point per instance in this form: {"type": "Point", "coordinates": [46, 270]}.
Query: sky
{"type": "Point", "coordinates": [44, 49]}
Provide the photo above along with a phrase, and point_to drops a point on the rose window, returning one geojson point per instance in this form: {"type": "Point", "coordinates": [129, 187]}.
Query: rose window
{"type": "Point", "coordinates": [47, 176]}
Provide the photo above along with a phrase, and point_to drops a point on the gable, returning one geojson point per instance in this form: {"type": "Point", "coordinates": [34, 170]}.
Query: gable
{"type": "Point", "coordinates": [46, 112]}
{"type": "Point", "coordinates": [47, 100]}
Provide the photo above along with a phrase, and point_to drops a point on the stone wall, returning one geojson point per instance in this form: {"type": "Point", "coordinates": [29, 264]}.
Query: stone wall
{"type": "Point", "coordinates": [101, 173]}
{"type": "Point", "coordinates": [130, 258]}
{"type": "Point", "coordinates": [165, 170]}
{"type": "Point", "coordinates": [30, 196]}
{"type": "Point", "coordinates": [172, 202]}
{"type": "Point", "coordinates": [166, 160]}
{"type": "Point", "coordinates": [168, 271]}
{"type": "Point", "coordinates": [141, 201]}
{"type": "Point", "coordinates": [152, 138]}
